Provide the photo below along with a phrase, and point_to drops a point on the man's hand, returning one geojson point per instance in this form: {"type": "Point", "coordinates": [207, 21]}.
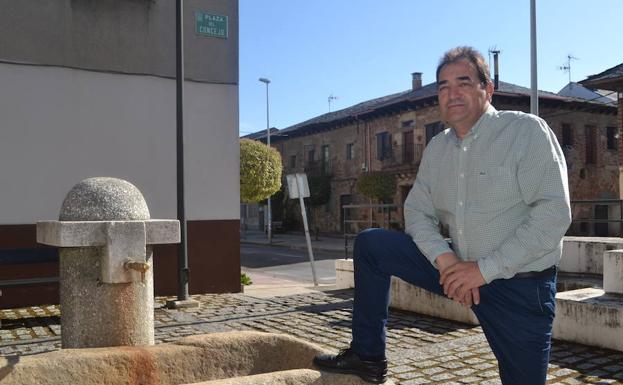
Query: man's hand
{"type": "Point", "coordinates": [446, 260]}
{"type": "Point", "coordinates": [461, 281]}
{"type": "Point", "coordinates": [471, 297]}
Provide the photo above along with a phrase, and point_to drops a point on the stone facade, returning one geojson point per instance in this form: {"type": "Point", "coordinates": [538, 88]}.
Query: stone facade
{"type": "Point", "coordinates": [392, 138]}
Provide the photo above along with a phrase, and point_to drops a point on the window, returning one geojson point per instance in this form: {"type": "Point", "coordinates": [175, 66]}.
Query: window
{"type": "Point", "coordinates": [408, 149]}
{"type": "Point", "coordinates": [350, 151]}
{"type": "Point", "coordinates": [611, 133]}
{"type": "Point", "coordinates": [383, 145]}
{"type": "Point", "coordinates": [567, 135]}
{"type": "Point", "coordinates": [292, 161]}
{"type": "Point", "coordinates": [310, 154]}
{"type": "Point", "coordinates": [591, 142]}
{"type": "Point", "coordinates": [433, 129]}
{"type": "Point", "coordinates": [326, 159]}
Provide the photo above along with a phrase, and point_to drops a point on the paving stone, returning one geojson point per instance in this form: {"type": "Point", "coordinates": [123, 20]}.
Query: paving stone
{"type": "Point", "coordinates": [563, 372]}
{"type": "Point", "coordinates": [491, 382]}
{"type": "Point", "coordinates": [401, 369]}
{"type": "Point", "coordinates": [572, 381]}
{"type": "Point", "coordinates": [488, 374]}
{"type": "Point", "coordinates": [465, 372]}
{"type": "Point", "coordinates": [613, 368]}
{"type": "Point", "coordinates": [416, 381]}
{"type": "Point", "coordinates": [470, 380]}
{"type": "Point", "coordinates": [432, 371]}
{"type": "Point", "coordinates": [407, 376]}
{"type": "Point", "coordinates": [443, 377]}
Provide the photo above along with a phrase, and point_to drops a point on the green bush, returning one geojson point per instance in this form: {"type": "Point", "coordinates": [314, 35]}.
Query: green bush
{"type": "Point", "coordinates": [377, 185]}
{"type": "Point", "coordinates": [245, 279]}
{"type": "Point", "coordinates": [260, 171]}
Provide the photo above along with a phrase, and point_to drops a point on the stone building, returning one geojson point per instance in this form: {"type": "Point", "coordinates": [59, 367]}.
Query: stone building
{"type": "Point", "coordinates": [389, 134]}
{"type": "Point", "coordinates": [88, 89]}
{"type": "Point", "coordinates": [612, 80]}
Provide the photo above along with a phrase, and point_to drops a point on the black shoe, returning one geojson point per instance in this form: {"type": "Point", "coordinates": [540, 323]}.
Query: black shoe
{"type": "Point", "coordinates": [348, 362]}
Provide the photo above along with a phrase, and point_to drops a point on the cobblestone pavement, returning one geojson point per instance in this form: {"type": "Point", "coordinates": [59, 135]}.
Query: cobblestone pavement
{"type": "Point", "coordinates": [421, 349]}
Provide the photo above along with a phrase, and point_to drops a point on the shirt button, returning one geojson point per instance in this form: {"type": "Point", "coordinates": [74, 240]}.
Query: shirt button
{"type": "Point", "coordinates": [465, 148]}
{"type": "Point", "coordinates": [460, 203]}
{"type": "Point", "coordinates": [462, 175]}
{"type": "Point", "coordinates": [460, 232]}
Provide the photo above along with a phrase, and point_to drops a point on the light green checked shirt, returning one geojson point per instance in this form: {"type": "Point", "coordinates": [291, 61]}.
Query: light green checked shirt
{"type": "Point", "coordinates": [501, 191]}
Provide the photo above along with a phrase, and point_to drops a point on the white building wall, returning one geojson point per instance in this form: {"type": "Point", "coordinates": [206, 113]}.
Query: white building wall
{"type": "Point", "coordinates": [59, 126]}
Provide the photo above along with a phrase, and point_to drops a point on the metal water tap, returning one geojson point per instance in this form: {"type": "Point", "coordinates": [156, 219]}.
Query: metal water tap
{"type": "Point", "coordinates": [141, 267]}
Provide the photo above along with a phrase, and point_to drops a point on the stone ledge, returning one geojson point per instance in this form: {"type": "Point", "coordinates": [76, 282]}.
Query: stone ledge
{"type": "Point", "coordinates": [219, 359]}
{"type": "Point", "coordinates": [588, 316]}
{"type": "Point", "coordinates": [585, 254]}
{"type": "Point", "coordinates": [93, 233]}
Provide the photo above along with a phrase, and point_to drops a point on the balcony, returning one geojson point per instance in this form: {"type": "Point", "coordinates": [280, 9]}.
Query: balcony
{"type": "Point", "coordinates": [318, 168]}
{"type": "Point", "coordinates": [397, 157]}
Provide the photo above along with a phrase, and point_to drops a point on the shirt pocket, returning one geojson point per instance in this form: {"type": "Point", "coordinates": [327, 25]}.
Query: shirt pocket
{"type": "Point", "coordinates": [496, 189]}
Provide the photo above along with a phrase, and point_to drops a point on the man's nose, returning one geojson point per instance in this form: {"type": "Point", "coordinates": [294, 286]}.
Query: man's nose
{"type": "Point", "coordinates": [454, 92]}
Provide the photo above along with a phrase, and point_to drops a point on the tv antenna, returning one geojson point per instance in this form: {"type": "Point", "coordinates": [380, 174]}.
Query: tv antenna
{"type": "Point", "coordinates": [331, 97]}
{"type": "Point", "coordinates": [567, 67]}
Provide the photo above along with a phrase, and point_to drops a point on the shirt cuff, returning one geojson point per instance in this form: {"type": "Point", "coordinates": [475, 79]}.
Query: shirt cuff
{"type": "Point", "coordinates": [489, 269]}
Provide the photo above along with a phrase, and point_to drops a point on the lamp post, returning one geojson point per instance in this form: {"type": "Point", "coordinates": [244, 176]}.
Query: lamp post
{"type": "Point", "coordinates": [269, 216]}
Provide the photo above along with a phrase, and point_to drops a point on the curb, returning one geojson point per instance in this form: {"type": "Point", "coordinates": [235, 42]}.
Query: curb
{"type": "Point", "coordinates": [295, 246]}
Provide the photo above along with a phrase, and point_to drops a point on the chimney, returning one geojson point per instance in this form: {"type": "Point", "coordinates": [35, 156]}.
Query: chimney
{"type": "Point", "coordinates": [416, 80]}
{"type": "Point", "coordinates": [496, 72]}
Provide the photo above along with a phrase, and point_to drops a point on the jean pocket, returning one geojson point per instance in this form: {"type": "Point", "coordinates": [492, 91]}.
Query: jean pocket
{"type": "Point", "coordinates": [546, 296]}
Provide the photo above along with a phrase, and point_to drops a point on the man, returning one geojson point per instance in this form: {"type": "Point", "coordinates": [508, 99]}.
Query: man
{"type": "Point", "coordinates": [497, 180]}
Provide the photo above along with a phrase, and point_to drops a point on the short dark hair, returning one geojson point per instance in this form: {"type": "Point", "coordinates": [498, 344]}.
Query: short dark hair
{"type": "Point", "coordinates": [471, 55]}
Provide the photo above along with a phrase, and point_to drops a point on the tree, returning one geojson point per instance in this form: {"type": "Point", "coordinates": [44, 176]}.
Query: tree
{"type": "Point", "coordinates": [260, 171]}
{"type": "Point", "coordinates": [377, 185]}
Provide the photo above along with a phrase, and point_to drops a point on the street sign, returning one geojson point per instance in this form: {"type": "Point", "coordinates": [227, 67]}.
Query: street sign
{"type": "Point", "coordinates": [293, 185]}
{"type": "Point", "coordinates": [298, 188]}
{"type": "Point", "coordinates": [207, 24]}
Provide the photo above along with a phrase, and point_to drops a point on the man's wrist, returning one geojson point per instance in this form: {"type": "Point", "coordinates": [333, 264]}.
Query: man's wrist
{"type": "Point", "coordinates": [446, 260]}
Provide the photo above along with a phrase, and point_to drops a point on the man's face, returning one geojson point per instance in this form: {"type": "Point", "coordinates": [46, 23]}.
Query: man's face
{"type": "Point", "coordinates": [462, 97]}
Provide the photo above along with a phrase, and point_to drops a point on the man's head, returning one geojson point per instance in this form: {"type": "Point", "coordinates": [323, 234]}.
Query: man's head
{"type": "Point", "coordinates": [464, 88]}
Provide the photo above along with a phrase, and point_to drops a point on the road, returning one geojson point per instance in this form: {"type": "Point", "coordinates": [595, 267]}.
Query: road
{"type": "Point", "coordinates": [290, 264]}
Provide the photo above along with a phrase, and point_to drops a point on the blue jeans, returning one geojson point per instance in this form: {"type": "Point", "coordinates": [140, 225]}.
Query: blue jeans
{"type": "Point", "coordinates": [516, 314]}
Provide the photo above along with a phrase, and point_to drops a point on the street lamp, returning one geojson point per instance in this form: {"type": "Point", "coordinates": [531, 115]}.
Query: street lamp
{"type": "Point", "coordinates": [269, 216]}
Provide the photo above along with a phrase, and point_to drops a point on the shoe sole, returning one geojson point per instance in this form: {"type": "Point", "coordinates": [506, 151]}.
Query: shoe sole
{"type": "Point", "coordinates": [371, 379]}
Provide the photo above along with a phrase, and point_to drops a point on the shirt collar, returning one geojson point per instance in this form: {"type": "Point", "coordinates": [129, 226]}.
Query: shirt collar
{"type": "Point", "coordinates": [482, 121]}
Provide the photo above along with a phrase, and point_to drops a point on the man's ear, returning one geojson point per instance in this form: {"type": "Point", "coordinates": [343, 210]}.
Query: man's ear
{"type": "Point", "coordinates": [489, 89]}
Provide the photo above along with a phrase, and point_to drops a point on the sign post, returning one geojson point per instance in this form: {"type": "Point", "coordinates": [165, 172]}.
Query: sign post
{"type": "Point", "coordinates": [299, 188]}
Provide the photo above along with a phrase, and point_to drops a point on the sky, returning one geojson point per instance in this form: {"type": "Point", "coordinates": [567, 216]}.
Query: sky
{"type": "Point", "coordinates": [357, 50]}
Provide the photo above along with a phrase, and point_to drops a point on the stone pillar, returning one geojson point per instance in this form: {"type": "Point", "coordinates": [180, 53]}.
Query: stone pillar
{"type": "Point", "coordinates": [106, 265]}
{"type": "Point", "coordinates": [613, 272]}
